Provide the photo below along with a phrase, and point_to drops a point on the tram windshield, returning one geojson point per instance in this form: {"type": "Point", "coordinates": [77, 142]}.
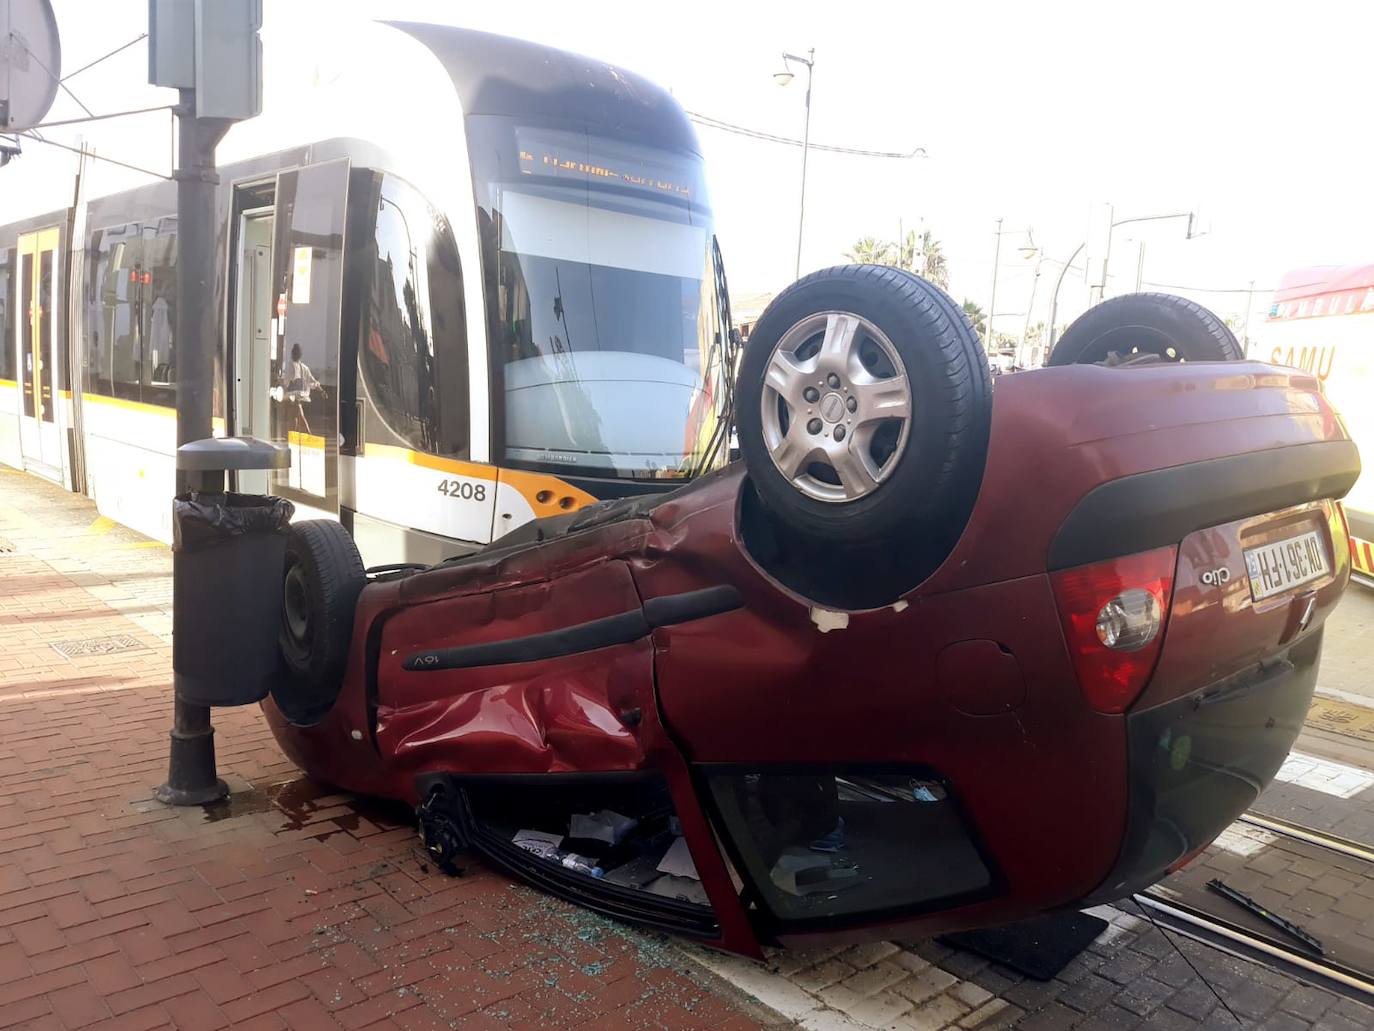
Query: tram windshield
{"type": "Point", "coordinates": [608, 332]}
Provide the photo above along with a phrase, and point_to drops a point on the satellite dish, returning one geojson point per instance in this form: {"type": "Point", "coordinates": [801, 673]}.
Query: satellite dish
{"type": "Point", "coordinates": [30, 62]}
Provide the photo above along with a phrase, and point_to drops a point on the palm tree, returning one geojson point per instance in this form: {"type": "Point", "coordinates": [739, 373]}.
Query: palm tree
{"type": "Point", "coordinates": [974, 311]}
{"type": "Point", "coordinates": [870, 251]}
{"type": "Point", "coordinates": [907, 252]}
{"type": "Point", "coordinates": [920, 254]}
{"type": "Point", "coordinates": [933, 264]}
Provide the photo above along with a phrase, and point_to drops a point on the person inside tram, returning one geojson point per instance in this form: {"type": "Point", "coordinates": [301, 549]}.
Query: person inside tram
{"type": "Point", "coordinates": [298, 385]}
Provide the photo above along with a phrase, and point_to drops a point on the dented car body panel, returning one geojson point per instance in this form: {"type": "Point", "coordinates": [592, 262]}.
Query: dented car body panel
{"type": "Point", "coordinates": [650, 637]}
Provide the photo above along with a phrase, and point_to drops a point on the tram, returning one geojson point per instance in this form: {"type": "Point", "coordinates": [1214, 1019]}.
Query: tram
{"type": "Point", "coordinates": [487, 292]}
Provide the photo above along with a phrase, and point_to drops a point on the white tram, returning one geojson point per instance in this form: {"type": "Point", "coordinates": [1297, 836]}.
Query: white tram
{"type": "Point", "coordinates": [468, 280]}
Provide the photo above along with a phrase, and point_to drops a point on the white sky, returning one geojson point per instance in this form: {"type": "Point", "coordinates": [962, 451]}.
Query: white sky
{"type": "Point", "coordinates": [1255, 114]}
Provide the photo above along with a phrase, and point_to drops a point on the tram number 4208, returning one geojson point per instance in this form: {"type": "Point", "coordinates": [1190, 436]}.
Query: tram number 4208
{"type": "Point", "coordinates": [463, 490]}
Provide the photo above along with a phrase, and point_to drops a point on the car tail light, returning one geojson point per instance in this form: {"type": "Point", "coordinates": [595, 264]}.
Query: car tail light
{"type": "Point", "coordinates": [1114, 614]}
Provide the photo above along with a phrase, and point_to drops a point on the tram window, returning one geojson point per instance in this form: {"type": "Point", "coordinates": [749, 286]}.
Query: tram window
{"type": "Point", "coordinates": [131, 312]}
{"type": "Point", "coordinates": [601, 301]}
{"type": "Point", "coordinates": [413, 341]}
{"type": "Point", "coordinates": [7, 302]}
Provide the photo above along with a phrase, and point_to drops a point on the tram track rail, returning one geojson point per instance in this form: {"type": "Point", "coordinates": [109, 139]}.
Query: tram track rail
{"type": "Point", "coordinates": [1229, 937]}
{"type": "Point", "coordinates": [1170, 910]}
{"type": "Point", "coordinates": [1331, 842]}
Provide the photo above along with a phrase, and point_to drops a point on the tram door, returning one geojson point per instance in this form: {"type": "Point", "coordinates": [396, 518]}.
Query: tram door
{"type": "Point", "coordinates": [307, 275]}
{"type": "Point", "coordinates": [40, 433]}
{"type": "Point", "coordinates": [255, 338]}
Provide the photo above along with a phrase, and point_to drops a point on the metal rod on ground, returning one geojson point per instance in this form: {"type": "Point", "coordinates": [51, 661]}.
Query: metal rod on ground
{"type": "Point", "coordinates": [191, 775]}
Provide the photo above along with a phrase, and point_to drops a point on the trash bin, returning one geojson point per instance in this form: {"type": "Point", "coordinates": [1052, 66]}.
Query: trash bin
{"type": "Point", "coordinates": [227, 554]}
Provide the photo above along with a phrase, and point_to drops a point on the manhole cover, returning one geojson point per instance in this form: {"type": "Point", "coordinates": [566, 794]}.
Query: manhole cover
{"type": "Point", "coordinates": [97, 646]}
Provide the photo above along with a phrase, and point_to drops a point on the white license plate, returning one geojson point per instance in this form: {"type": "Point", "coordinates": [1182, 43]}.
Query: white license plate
{"type": "Point", "coordinates": [1275, 568]}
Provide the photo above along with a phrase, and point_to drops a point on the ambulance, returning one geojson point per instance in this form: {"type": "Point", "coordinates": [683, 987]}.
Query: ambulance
{"type": "Point", "coordinates": [1322, 320]}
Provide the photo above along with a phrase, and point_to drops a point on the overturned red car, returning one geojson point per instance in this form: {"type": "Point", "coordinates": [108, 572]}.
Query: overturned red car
{"type": "Point", "coordinates": [931, 656]}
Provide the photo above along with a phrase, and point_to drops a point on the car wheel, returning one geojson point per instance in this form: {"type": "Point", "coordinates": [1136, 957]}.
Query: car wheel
{"type": "Point", "coordinates": [863, 406]}
{"type": "Point", "coordinates": [1124, 328]}
{"type": "Point", "coordinates": [321, 579]}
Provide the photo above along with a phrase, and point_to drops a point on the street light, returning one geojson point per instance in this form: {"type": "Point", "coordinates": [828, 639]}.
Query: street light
{"type": "Point", "coordinates": [782, 78]}
{"type": "Point", "coordinates": [1054, 297]}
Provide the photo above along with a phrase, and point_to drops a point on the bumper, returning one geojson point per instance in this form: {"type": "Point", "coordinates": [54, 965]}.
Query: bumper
{"type": "Point", "coordinates": [1199, 761]}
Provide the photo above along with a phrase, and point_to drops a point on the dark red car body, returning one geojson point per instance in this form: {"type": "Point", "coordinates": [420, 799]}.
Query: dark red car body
{"type": "Point", "coordinates": [667, 647]}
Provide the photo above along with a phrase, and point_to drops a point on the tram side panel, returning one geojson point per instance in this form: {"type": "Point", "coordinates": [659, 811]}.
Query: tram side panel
{"type": "Point", "coordinates": [9, 363]}
{"type": "Point", "coordinates": [34, 385]}
{"type": "Point", "coordinates": [9, 355]}
{"type": "Point", "coordinates": [128, 378]}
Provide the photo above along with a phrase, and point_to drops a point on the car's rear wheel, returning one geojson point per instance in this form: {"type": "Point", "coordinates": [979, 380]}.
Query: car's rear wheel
{"type": "Point", "coordinates": [1173, 329]}
{"type": "Point", "coordinates": [864, 403]}
{"type": "Point", "coordinates": [321, 579]}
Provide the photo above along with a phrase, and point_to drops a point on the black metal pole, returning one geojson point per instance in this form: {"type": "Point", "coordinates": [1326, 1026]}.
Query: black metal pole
{"type": "Point", "coordinates": [191, 774]}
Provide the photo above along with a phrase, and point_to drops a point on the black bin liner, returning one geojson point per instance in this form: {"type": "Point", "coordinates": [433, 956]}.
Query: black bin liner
{"type": "Point", "coordinates": [228, 553]}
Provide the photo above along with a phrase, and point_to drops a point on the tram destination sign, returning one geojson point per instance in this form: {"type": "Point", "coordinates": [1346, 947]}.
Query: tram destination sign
{"type": "Point", "coordinates": [572, 155]}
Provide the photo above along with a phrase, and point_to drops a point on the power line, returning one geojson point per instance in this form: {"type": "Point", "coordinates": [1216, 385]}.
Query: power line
{"type": "Point", "coordinates": [90, 118]}
{"type": "Point", "coordinates": [768, 137]}
{"type": "Point", "coordinates": [1212, 289]}
{"type": "Point", "coordinates": [97, 157]}
{"type": "Point", "coordinates": [61, 85]}
{"type": "Point", "coordinates": [103, 57]}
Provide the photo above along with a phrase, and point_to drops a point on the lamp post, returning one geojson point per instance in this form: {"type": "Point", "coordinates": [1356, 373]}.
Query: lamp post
{"type": "Point", "coordinates": [1054, 297]}
{"type": "Point", "coordinates": [783, 77]}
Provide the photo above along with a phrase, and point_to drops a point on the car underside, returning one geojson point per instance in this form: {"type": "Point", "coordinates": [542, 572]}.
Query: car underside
{"type": "Point", "coordinates": [1067, 635]}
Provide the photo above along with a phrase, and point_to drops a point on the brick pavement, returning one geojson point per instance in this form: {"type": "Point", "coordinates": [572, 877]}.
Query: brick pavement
{"type": "Point", "coordinates": [1348, 649]}
{"type": "Point", "coordinates": [1347, 813]}
{"type": "Point", "coordinates": [1130, 977]}
{"type": "Point", "coordinates": [293, 908]}
{"type": "Point", "coordinates": [285, 908]}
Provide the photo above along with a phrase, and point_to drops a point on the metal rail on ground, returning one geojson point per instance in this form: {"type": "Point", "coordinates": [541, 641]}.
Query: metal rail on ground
{"type": "Point", "coordinates": [1203, 926]}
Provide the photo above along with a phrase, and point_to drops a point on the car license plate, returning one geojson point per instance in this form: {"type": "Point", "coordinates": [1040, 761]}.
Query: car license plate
{"type": "Point", "coordinates": [1277, 567]}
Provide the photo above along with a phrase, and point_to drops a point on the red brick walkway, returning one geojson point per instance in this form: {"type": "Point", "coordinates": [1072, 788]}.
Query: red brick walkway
{"type": "Point", "coordinates": [286, 908]}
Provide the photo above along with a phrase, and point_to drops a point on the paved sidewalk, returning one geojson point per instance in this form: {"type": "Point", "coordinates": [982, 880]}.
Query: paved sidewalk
{"type": "Point", "coordinates": [290, 907]}
{"type": "Point", "coordinates": [285, 908]}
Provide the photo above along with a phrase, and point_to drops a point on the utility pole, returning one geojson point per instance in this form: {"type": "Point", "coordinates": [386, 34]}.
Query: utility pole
{"type": "Point", "coordinates": [209, 51]}
{"type": "Point", "coordinates": [1054, 296]}
{"type": "Point", "coordinates": [196, 180]}
{"type": "Point", "coordinates": [783, 77]}
{"type": "Point", "coordinates": [1030, 308]}
{"type": "Point", "coordinates": [992, 301]}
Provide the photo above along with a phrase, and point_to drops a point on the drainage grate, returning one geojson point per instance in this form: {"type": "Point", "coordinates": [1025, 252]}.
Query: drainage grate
{"type": "Point", "coordinates": [97, 646]}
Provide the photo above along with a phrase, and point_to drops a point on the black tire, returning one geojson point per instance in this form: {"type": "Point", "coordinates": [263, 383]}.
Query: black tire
{"type": "Point", "coordinates": [321, 579]}
{"type": "Point", "coordinates": [928, 494]}
{"type": "Point", "coordinates": [1172, 327]}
